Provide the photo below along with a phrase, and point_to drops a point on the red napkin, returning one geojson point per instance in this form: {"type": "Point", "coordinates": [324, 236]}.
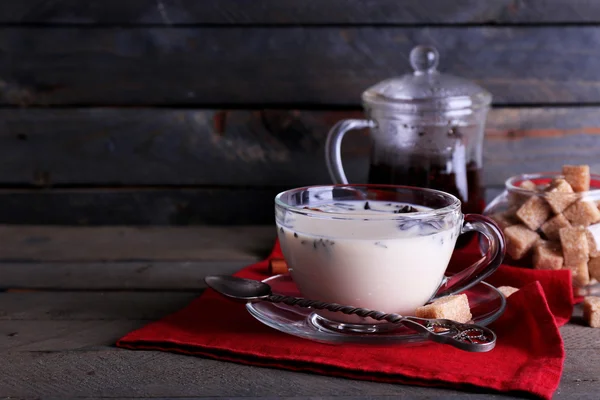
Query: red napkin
{"type": "Point", "coordinates": [528, 357]}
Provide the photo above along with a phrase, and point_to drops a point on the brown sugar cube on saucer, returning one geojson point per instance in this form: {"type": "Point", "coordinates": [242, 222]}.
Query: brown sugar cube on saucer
{"type": "Point", "coordinates": [551, 227]}
{"type": "Point", "coordinates": [547, 255]}
{"type": "Point", "coordinates": [558, 197]}
{"type": "Point", "coordinates": [519, 240]}
{"type": "Point", "coordinates": [594, 268]}
{"type": "Point", "coordinates": [591, 311]}
{"type": "Point", "coordinates": [454, 307]}
{"type": "Point", "coordinates": [582, 213]}
{"type": "Point", "coordinates": [574, 245]}
{"type": "Point", "coordinates": [581, 274]}
{"type": "Point", "coordinates": [534, 212]}
{"type": "Point", "coordinates": [578, 177]}
{"type": "Point", "coordinates": [507, 290]}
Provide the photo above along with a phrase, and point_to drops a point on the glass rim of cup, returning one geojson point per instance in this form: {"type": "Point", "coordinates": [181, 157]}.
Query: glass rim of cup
{"type": "Point", "coordinates": [454, 204]}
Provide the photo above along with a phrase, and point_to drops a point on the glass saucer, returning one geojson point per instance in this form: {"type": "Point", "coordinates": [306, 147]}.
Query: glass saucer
{"type": "Point", "coordinates": [487, 304]}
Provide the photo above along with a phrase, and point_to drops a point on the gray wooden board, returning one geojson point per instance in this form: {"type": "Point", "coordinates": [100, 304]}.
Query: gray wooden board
{"type": "Point", "coordinates": [100, 244]}
{"type": "Point", "coordinates": [256, 153]}
{"type": "Point", "coordinates": [288, 65]}
{"type": "Point", "coordinates": [84, 306]}
{"type": "Point", "coordinates": [110, 146]}
{"type": "Point", "coordinates": [149, 275]}
{"type": "Point", "coordinates": [249, 148]}
{"type": "Point", "coordinates": [60, 344]}
{"type": "Point", "coordinates": [139, 206]}
{"type": "Point", "coordinates": [122, 373]}
{"type": "Point", "coordinates": [143, 207]}
{"type": "Point", "coordinates": [61, 335]}
{"type": "Point", "coordinates": [65, 364]}
{"type": "Point", "coordinates": [174, 12]}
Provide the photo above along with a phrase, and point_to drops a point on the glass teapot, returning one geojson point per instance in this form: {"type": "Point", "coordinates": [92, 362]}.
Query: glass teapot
{"type": "Point", "coordinates": [427, 130]}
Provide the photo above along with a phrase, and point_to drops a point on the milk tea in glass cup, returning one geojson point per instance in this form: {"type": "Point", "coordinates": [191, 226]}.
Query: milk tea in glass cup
{"type": "Point", "coordinates": [381, 247]}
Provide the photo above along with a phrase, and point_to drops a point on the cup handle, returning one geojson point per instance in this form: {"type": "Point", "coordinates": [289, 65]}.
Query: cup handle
{"type": "Point", "coordinates": [333, 153]}
{"type": "Point", "coordinates": [493, 249]}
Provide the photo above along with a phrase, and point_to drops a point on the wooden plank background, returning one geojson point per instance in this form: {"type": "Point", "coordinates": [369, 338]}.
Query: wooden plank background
{"type": "Point", "coordinates": [284, 66]}
{"type": "Point", "coordinates": [178, 112]}
{"type": "Point", "coordinates": [283, 12]}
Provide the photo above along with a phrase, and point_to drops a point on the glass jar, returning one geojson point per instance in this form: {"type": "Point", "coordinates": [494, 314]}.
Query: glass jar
{"type": "Point", "coordinates": [427, 130]}
{"type": "Point", "coordinates": [502, 210]}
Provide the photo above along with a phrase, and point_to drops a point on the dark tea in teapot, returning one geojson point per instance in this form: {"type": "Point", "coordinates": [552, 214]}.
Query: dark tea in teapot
{"type": "Point", "coordinates": [456, 170]}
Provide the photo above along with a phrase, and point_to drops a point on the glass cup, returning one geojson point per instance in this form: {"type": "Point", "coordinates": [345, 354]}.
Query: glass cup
{"type": "Point", "coordinates": [345, 244]}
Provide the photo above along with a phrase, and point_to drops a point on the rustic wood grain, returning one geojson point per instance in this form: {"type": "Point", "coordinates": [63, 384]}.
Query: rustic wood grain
{"type": "Point", "coordinates": [105, 372]}
{"type": "Point", "coordinates": [141, 206]}
{"type": "Point", "coordinates": [67, 337]}
{"type": "Point", "coordinates": [121, 373]}
{"type": "Point", "coordinates": [282, 12]}
{"type": "Point", "coordinates": [297, 65]}
{"type": "Point", "coordinates": [60, 344]}
{"type": "Point", "coordinates": [535, 140]}
{"type": "Point", "coordinates": [62, 335]}
{"type": "Point", "coordinates": [256, 154]}
{"type": "Point", "coordinates": [101, 244]}
{"type": "Point", "coordinates": [150, 275]}
{"type": "Point", "coordinates": [110, 147]}
{"type": "Point", "coordinates": [85, 306]}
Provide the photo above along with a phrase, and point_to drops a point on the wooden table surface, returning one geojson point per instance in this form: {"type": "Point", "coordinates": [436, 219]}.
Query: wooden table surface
{"type": "Point", "coordinates": [70, 293]}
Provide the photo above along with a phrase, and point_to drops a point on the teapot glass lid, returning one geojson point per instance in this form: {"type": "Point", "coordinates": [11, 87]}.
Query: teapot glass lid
{"type": "Point", "coordinates": [426, 89]}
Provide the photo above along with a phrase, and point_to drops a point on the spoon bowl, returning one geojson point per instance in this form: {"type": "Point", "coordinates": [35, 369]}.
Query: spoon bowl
{"type": "Point", "coordinates": [239, 288]}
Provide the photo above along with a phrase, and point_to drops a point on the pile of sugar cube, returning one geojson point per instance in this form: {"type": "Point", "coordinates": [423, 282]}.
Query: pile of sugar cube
{"type": "Point", "coordinates": [555, 226]}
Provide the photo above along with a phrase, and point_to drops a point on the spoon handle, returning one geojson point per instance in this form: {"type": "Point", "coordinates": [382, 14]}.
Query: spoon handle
{"type": "Point", "coordinates": [468, 337]}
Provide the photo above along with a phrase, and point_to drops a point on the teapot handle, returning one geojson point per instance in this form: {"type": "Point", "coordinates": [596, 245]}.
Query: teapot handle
{"type": "Point", "coordinates": [333, 153]}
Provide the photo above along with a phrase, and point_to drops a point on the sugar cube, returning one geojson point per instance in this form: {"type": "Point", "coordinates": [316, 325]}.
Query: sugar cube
{"type": "Point", "coordinates": [578, 177]}
{"type": "Point", "coordinates": [551, 227]}
{"type": "Point", "coordinates": [594, 268]}
{"type": "Point", "coordinates": [519, 240]}
{"type": "Point", "coordinates": [559, 195]}
{"type": "Point", "coordinates": [581, 274]}
{"type": "Point", "coordinates": [454, 307]}
{"type": "Point", "coordinates": [517, 199]}
{"type": "Point", "coordinates": [574, 245]}
{"type": "Point", "coordinates": [507, 290]}
{"type": "Point", "coordinates": [528, 185]}
{"type": "Point", "coordinates": [534, 212]}
{"type": "Point", "coordinates": [547, 255]}
{"type": "Point", "coordinates": [593, 247]}
{"type": "Point", "coordinates": [591, 311]}
{"type": "Point", "coordinates": [595, 231]}
{"type": "Point", "coordinates": [504, 220]}
{"type": "Point", "coordinates": [582, 213]}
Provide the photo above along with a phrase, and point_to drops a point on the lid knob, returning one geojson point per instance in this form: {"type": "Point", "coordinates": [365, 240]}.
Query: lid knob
{"type": "Point", "coordinates": [424, 59]}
